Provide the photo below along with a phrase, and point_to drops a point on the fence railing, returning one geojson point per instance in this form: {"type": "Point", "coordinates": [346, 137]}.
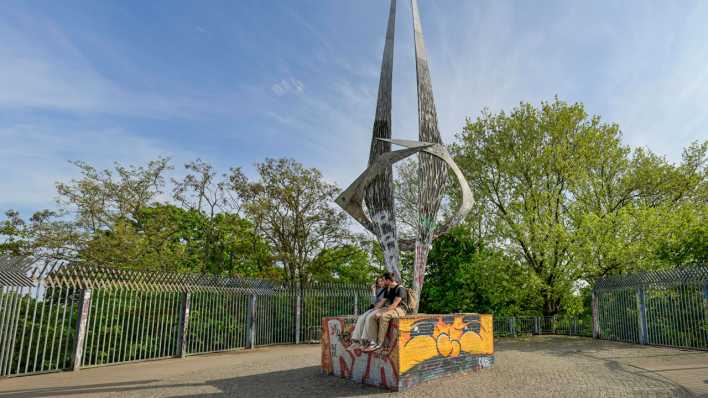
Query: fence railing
{"type": "Point", "coordinates": [667, 308]}
{"type": "Point", "coordinates": [538, 325]}
{"type": "Point", "coordinates": [56, 318]}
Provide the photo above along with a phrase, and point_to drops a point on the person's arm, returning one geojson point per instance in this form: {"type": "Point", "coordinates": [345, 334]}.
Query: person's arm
{"type": "Point", "coordinates": [396, 300]}
{"type": "Point", "coordinates": [380, 303]}
{"type": "Point", "coordinates": [395, 303]}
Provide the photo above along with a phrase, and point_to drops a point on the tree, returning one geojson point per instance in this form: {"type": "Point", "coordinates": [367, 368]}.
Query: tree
{"type": "Point", "coordinates": [466, 276]}
{"type": "Point", "coordinates": [639, 212]}
{"type": "Point", "coordinates": [46, 235]}
{"type": "Point", "coordinates": [558, 191]}
{"type": "Point", "coordinates": [221, 234]}
{"type": "Point", "coordinates": [347, 263]}
{"type": "Point", "coordinates": [293, 208]}
{"type": "Point", "coordinates": [118, 221]}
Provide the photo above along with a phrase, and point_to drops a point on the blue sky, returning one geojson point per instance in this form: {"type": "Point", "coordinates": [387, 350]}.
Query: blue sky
{"type": "Point", "coordinates": [234, 82]}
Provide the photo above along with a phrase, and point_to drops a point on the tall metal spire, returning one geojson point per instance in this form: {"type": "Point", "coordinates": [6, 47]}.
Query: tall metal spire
{"type": "Point", "coordinates": [379, 194]}
{"type": "Point", "coordinates": [432, 172]}
{"type": "Point", "coordinates": [375, 185]}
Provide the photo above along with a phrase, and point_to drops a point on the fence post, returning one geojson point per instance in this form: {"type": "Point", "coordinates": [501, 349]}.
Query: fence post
{"type": "Point", "coordinates": [595, 316]}
{"type": "Point", "coordinates": [183, 324]}
{"type": "Point", "coordinates": [251, 325]}
{"type": "Point", "coordinates": [298, 314]}
{"type": "Point", "coordinates": [512, 329]}
{"type": "Point", "coordinates": [81, 323]}
{"type": "Point", "coordinates": [536, 327]}
{"type": "Point", "coordinates": [356, 304]}
{"type": "Point", "coordinates": [642, 316]}
{"type": "Point", "coordinates": [705, 299]}
{"type": "Point", "coordinates": [575, 326]}
{"type": "Point", "coordinates": [553, 325]}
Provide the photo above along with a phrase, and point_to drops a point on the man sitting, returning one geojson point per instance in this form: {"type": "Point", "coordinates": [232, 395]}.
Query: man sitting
{"type": "Point", "coordinates": [359, 335]}
{"type": "Point", "coordinates": [397, 298]}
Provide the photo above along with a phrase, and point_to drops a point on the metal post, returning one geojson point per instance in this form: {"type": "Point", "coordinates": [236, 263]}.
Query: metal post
{"type": "Point", "coordinates": [251, 329]}
{"type": "Point", "coordinates": [536, 327]}
{"type": "Point", "coordinates": [553, 324]}
{"type": "Point", "coordinates": [705, 299]}
{"type": "Point", "coordinates": [84, 306]}
{"type": "Point", "coordinates": [595, 316]}
{"type": "Point", "coordinates": [356, 304]}
{"type": "Point", "coordinates": [575, 327]}
{"type": "Point", "coordinates": [512, 330]}
{"type": "Point", "coordinates": [183, 325]}
{"type": "Point", "coordinates": [298, 314]}
{"type": "Point", "coordinates": [642, 316]}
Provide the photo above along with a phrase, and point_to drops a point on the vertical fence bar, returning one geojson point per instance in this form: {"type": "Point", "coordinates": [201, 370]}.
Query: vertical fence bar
{"type": "Point", "coordinates": [251, 322]}
{"type": "Point", "coordinates": [703, 320]}
{"type": "Point", "coordinates": [298, 314]}
{"type": "Point", "coordinates": [595, 316]}
{"type": "Point", "coordinates": [356, 304]}
{"type": "Point", "coordinates": [84, 306]}
{"type": "Point", "coordinates": [641, 308]}
{"type": "Point", "coordinates": [183, 324]}
{"type": "Point", "coordinates": [536, 325]}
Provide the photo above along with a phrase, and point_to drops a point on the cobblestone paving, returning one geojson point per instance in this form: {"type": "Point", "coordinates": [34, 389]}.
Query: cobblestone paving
{"type": "Point", "coordinates": [541, 366]}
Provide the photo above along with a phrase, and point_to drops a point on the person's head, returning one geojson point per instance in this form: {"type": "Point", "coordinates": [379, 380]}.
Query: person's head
{"type": "Point", "coordinates": [389, 280]}
{"type": "Point", "coordinates": [380, 282]}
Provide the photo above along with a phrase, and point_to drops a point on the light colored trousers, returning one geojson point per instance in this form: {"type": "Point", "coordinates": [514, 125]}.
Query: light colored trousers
{"type": "Point", "coordinates": [366, 326]}
{"type": "Point", "coordinates": [380, 328]}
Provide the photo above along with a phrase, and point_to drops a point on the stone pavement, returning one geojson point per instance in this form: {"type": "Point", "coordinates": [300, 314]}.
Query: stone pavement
{"type": "Point", "coordinates": [538, 366]}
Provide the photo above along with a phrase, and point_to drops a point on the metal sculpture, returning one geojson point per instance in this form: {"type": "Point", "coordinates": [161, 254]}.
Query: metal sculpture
{"type": "Point", "coordinates": [379, 192]}
{"type": "Point", "coordinates": [375, 185]}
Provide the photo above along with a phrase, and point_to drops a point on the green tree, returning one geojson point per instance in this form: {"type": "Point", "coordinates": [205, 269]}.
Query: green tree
{"type": "Point", "coordinates": [293, 208]}
{"type": "Point", "coordinates": [466, 276]}
{"type": "Point", "coordinates": [558, 192]}
{"type": "Point", "coordinates": [347, 263]}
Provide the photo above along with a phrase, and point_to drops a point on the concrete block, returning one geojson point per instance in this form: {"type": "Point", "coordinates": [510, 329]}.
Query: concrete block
{"type": "Point", "coordinates": [417, 348]}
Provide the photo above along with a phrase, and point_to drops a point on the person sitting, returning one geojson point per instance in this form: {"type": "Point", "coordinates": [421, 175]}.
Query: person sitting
{"type": "Point", "coordinates": [359, 335]}
{"type": "Point", "coordinates": [397, 298]}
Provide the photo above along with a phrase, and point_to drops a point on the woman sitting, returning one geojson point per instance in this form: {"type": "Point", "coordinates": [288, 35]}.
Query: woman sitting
{"type": "Point", "coordinates": [359, 336]}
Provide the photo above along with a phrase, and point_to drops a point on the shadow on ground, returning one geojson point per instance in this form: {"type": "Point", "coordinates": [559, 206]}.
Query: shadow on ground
{"type": "Point", "coordinates": [78, 389]}
{"type": "Point", "coordinates": [304, 382]}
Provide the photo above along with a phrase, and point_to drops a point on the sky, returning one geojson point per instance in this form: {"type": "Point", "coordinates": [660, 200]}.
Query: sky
{"type": "Point", "coordinates": [236, 82]}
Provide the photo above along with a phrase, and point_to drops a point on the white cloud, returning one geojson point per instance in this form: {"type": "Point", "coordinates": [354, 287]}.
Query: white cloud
{"type": "Point", "coordinates": [42, 69]}
{"type": "Point", "coordinates": [288, 86]}
{"type": "Point", "coordinates": [35, 156]}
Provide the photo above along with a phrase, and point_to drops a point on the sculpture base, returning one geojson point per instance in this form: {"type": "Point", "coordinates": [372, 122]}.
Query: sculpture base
{"type": "Point", "coordinates": [417, 348]}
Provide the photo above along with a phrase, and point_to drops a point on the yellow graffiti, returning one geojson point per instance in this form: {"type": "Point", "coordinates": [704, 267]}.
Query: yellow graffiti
{"type": "Point", "coordinates": [425, 337]}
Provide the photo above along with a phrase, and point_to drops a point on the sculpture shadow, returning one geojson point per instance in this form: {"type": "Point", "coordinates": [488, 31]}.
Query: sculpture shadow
{"type": "Point", "coordinates": [305, 382]}
{"type": "Point", "coordinates": [81, 389]}
{"type": "Point", "coordinates": [300, 382]}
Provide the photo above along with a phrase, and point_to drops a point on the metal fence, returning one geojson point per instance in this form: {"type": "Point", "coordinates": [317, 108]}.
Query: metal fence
{"type": "Point", "coordinates": [537, 325]}
{"type": "Point", "coordinates": [667, 308]}
{"type": "Point", "coordinates": [56, 318]}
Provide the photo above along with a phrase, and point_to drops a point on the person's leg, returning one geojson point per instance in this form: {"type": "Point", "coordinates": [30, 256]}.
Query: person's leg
{"type": "Point", "coordinates": [385, 320]}
{"type": "Point", "coordinates": [371, 327]}
{"type": "Point", "coordinates": [359, 326]}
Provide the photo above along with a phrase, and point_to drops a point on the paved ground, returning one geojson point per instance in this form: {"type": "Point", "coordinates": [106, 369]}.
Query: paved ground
{"type": "Point", "coordinates": [527, 367]}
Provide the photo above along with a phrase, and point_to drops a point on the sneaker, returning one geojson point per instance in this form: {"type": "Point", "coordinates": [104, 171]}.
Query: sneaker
{"type": "Point", "coordinates": [372, 347]}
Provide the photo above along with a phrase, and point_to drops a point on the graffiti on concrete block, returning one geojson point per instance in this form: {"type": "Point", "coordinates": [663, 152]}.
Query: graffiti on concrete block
{"type": "Point", "coordinates": [417, 348]}
{"type": "Point", "coordinates": [377, 368]}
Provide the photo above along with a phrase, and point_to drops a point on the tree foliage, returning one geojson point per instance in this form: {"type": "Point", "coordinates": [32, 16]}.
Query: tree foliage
{"type": "Point", "coordinates": [560, 201]}
{"type": "Point", "coordinates": [560, 193]}
{"type": "Point", "coordinates": [466, 276]}
{"type": "Point", "coordinates": [293, 209]}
